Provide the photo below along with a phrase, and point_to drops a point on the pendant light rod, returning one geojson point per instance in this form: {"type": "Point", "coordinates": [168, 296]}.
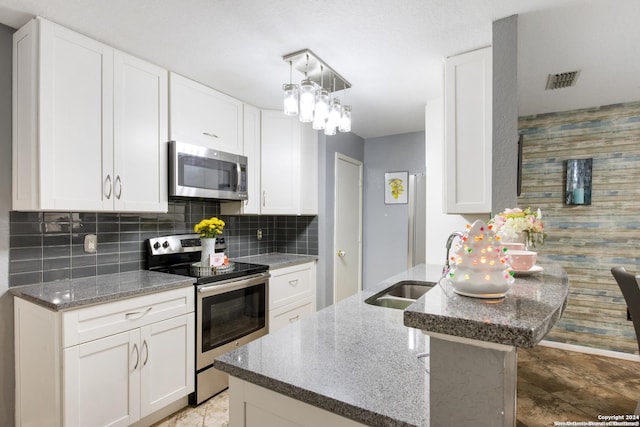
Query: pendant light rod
{"type": "Point", "coordinates": [307, 61]}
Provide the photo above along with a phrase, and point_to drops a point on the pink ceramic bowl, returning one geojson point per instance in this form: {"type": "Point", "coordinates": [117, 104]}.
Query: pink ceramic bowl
{"type": "Point", "coordinates": [522, 260]}
{"type": "Point", "coordinates": [513, 246]}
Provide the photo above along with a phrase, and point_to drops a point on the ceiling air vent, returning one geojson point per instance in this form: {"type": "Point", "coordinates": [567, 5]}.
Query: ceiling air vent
{"type": "Point", "coordinates": [561, 80]}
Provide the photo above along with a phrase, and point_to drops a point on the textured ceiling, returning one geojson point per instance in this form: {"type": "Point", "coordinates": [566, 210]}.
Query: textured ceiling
{"type": "Point", "coordinates": [390, 50]}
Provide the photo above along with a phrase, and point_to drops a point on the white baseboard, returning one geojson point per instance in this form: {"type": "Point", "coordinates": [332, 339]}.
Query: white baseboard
{"type": "Point", "coordinates": [590, 350]}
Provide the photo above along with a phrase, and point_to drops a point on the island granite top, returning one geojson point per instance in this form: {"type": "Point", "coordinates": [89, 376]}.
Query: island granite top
{"type": "Point", "coordinates": [76, 293]}
{"type": "Point", "coordinates": [521, 319]}
{"type": "Point", "coordinates": [359, 361]}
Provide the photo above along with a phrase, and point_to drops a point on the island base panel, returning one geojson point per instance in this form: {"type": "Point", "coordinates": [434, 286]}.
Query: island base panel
{"type": "Point", "coordinates": [472, 384]}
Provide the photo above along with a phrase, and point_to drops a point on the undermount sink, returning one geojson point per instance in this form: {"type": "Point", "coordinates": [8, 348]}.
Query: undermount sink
{"type": "Point", "coordinates": [400, 295]}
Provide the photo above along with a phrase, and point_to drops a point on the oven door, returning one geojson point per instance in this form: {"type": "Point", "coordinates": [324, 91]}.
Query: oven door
{"type": "Point", "coordinates": [197, 171]}
{"type": "Point", "coordinates": [230, 314]}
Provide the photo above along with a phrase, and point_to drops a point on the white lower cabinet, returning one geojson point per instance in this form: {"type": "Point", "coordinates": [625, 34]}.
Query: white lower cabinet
{"type": "Point", "coordinates": [119, 361]}
{"type": "Point", "coordinates": [292, 294]}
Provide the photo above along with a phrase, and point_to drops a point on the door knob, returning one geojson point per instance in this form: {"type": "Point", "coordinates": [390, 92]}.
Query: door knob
{"type": "Point", "coordinates": [341, 253]}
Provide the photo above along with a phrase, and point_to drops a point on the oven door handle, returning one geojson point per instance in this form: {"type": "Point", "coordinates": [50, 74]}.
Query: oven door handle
{"type": "Point", "coordinates": [220, 286]}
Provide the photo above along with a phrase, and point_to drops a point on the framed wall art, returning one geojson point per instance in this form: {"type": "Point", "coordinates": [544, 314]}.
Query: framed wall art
{"type": "Point", "coordinates": [396, 187]}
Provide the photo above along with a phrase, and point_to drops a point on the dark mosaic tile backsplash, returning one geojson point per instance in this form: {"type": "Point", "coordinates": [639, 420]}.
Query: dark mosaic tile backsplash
{"type": "Point", "coordinates": [48, 246]}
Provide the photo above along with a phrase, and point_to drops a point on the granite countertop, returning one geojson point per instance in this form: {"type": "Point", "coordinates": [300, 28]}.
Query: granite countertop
{"type": "Point", "coordinates": [76, 293]}
{"type": "Point", "coordinates": [360, 361]}
{"type": "Point", "coordinates": [277, 259]}
{"type": "Point", "coordinates": [528, 312]}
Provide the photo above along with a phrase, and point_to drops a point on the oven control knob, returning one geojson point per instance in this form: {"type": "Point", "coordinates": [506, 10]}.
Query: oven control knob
{"type": "Point", "coordinates": [156, 245]}
{"type": "Point", "coordinates": [165, 244]}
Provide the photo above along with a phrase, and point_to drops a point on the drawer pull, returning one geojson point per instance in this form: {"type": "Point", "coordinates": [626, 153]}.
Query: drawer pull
{"type": "Point", "coordinates": [212, 135]}
{"type": "Point", "coordinates": [293, 282]}
{"type": "Point", "coordinates": [140, 314]}
{"type": "Point", "coordinates": [294, 318]}
{"type": "Point", "coordinates": [135, 347]}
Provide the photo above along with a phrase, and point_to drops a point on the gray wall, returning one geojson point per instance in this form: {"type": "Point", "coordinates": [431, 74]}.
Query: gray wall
{"type": "Point", "coordinates": [6, 303]}
{"type": "Point", "coordinates": [385, 231]}
{"type": "Point", "coordinates": [505, 113]}
{"type": "Point", "coordinates": [350, 145]}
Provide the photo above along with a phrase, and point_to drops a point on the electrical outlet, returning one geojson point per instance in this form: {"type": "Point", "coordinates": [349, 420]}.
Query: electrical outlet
{"type": "Point", "coordinates": [259, 234]}
{"type": "Point", "coordinates": [90, 244]}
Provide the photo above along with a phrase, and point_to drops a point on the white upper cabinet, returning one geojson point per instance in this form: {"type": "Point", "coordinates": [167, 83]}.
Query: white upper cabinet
{"type": "Point", "coordinates": [252, 151]}
{"type": "Point", "coordinates": [285, 152]}
{"type": "Point", "coordinates": [308, 171]}
{"type": "Point", "coordinates": [65, 152]}
{"type": "Point", "coordinates": [280, 163]}
{"type": "Point", "coordinates": [140, 135]}
{"type": "Point", "coordinates": [203, 116]}
{"type": "Point", "coordinates": [468, 132]}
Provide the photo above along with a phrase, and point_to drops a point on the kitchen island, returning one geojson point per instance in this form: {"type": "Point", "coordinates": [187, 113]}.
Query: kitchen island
{"type": "Point", "coordinates": [359, 363]}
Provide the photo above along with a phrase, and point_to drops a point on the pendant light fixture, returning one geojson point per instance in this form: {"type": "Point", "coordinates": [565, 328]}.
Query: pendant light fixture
{"type": "Point", "coordinates": [345, 116]}
{"type": "Point", "coordinates": [333, 120]}
{"type": "Point", "coordinates": [321, 107]}
{"type": "Point", "coordinates": [307, 97]}
{"type": "Point", "coordinates": [290, 95]}
{"type": "Point", "coordinates": [314, 101]}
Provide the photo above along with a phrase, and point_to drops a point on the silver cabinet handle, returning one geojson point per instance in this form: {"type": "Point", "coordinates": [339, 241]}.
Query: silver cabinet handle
{"type": "Point", "coordinates": [107, 189]}
{"type": "Point", "coordinates": [264, 198]}
{"type": "Point", "coordinates": [140, 314]}
{"type": "Point", "coordinates": [118, 187]}
{"type": "Point", "coordinates": [293, 282]}
{"type": "Point", "coordinates": [295, 318]}
{"type": "Point", "coordinates": [135, 347]}
{"type": "Point", "coordinates": [145, 346]}
{"type": "Point", "coordinates": [341, 253]}
{"type": "Point", "coordinates": [212, 135]}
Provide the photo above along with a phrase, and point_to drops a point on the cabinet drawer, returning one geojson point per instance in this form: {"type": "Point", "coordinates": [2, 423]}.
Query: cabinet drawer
{"type": "Point", "coordinates": [290, 314]}
{"type": "Point", "coordinates": [97, 321]}
{"type": "Point", "coordinates": [290, 284]}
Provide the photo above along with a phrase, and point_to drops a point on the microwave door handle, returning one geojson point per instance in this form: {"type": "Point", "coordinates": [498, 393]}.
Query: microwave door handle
{"type": "Point", "coordinates": [237, 176]}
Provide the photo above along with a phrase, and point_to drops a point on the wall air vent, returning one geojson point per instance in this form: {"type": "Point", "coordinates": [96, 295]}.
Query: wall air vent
{"type": "Point", "coordinates": [562, 80]}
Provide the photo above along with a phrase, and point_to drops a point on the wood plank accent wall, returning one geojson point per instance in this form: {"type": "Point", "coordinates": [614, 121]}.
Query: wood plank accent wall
{"type": "Point", "coordinates": [588, 240]}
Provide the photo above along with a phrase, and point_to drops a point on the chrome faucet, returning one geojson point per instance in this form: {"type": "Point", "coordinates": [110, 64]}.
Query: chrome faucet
{"type": "Point", "coordinates": [450, 240]}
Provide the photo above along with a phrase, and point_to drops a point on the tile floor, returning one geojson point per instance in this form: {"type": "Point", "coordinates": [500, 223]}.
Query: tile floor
{"type": "Point", "coordinates": [553, 385]}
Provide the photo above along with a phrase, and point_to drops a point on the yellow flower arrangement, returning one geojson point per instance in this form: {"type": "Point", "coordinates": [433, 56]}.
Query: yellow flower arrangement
{"type": "Point", "coordinates": [209, 228]}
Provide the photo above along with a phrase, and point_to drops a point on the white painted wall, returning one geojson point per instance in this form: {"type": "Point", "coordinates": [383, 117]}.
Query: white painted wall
{"type": "Point", "coordinates": [6, 301]}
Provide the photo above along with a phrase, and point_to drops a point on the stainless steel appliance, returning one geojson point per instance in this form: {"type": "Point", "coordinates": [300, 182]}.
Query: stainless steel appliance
{"type": "Point", "coordinates": [231, 304]}
{"type": "Point", "coordinates": [196, 171]}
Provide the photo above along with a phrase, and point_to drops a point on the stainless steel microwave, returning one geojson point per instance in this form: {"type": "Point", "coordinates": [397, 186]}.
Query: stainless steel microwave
{"type": "Point", "coordinates": [196, 171]}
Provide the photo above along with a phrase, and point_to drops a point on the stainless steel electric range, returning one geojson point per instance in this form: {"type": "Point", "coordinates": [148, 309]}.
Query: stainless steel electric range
{"type": "Point", "coordinates": [231, 304]}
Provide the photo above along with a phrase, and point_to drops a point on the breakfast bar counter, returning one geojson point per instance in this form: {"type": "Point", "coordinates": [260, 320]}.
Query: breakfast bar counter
{"type": "Point", "coordinates": [361, 364]}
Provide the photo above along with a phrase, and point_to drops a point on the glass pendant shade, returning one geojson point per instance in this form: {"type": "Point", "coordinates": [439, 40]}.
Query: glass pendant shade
{"type": "Point", "coordinates": [290, 99]}
{"type": "Point", "coordinates": [345, 119]}
{"type": "Point", "coordinates": [334, 117]}
{"type": "Point", "coordinates": [321, 109]}
{"type": "Point", "coordinates": [307, 100]}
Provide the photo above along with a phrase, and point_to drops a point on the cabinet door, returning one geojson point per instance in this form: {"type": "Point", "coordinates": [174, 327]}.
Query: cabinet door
{"type": "Point", "coordinates": [203, 116]}
{"type": "Point", "coordinates": [76, 126]}
{"type": "Point", "coordinates": [309, 171]}
{"type": "Point", "coordinates": [280, 163]}
{"type": "Point", "coordinates": [468, 132]}
{"type": "Point", "coordinates": [140, 135]}
{"type": "Point", "coordinates": [102, 381]}
{"type": "Point", "coordinates": [167, 357]}
{"type": "Point", "coordinates": [252, 151]}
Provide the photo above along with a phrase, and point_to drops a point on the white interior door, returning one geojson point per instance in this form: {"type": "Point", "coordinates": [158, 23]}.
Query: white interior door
{"type": "Point", "coordinates": [347, 265]}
